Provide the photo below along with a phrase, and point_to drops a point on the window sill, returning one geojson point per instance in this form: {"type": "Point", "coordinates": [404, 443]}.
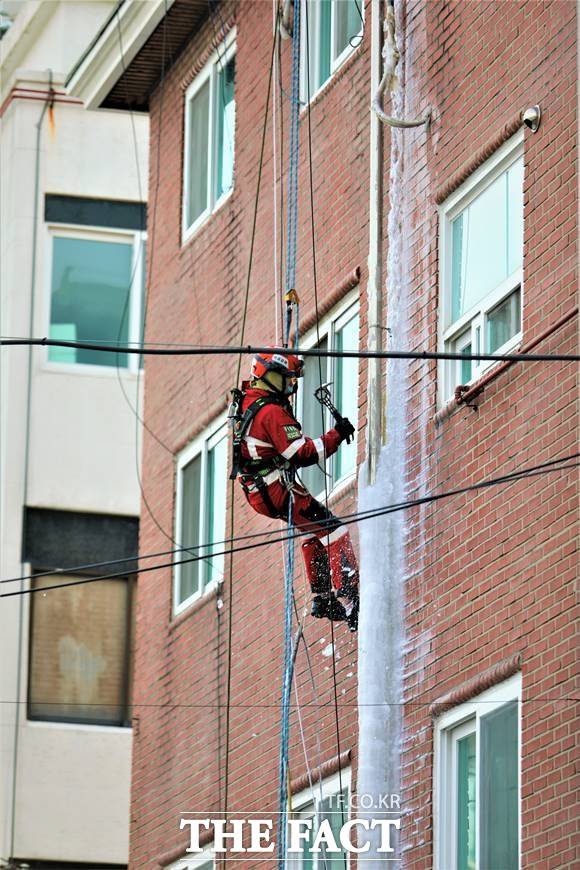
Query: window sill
{"type": "Point", "coordinates": [188, 235]}
{"type": "Point", "coordinates": [466, 397]}
{"type": "Point", "coordinates": [53, 724]}
{"type": "Point", "coordinates": [212, 593]}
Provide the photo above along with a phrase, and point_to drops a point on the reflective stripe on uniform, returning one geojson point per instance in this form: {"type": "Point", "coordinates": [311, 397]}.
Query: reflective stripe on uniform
{"type": "Point", "coordinates": [336, 535]}
{"type": "Point", "coordinates": [252, 443]}
{"type": "Point", "coordinates": [319, 444]}
{"type": "Point", "coordinates": [272, 477]}
{"type": "Point", "coordinates": [294, 448]}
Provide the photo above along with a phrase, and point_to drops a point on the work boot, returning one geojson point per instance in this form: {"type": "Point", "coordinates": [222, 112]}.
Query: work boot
{"type": "Point", "coordinates": [327, 606]}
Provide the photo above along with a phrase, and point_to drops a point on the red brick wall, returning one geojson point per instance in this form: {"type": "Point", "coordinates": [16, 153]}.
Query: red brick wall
{"type": "Point", "coordinates": [492, 573]}
{"type": "Point", "coordinates": [196, 296]}
{"type": "Point", "coordinates": [488, 574]}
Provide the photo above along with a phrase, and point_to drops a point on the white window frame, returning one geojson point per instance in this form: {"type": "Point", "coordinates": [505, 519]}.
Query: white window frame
{"type": "Point", "coordinates": [137, 239]}
{"type": "Point", "coordinates": [313, 34]}
{"type": "Point", "coordinates": [448, 728]}
{"type": "Point", "coordinates": [304, 804]}
{"type": "Point", "coordinates": [199, 446]}
{"type": "Point", "coordinates": [221, 56]}
{"type": "Point", "coordinates": [449, 371]}
{"type": "Point", "coordinates": [328, 326]}
{"type": "Point", "coordinates": [194, 861]}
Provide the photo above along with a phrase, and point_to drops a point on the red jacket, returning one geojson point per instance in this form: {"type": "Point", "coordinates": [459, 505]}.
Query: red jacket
{"type": "Point", "coordinates": [274, 431]}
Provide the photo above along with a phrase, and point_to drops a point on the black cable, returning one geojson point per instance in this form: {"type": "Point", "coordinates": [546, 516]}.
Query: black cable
{"type": "Point", "coordinates": [135, 409]}
{"type": "Point", "coordinates": [250, 349]}
{"type": "Point", "coordinates": [305, 530]}
{"type": "Point", "coordinates": [539, 700]}
{"type": "Point", "coordinates": [232, 488]}
{"type": "Point", "coordinates": [383, 511]}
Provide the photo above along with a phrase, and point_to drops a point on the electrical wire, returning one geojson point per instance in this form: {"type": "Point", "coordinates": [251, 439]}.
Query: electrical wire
{"type": "Point", "coordinates": [250, 349]}
{"type": "Point", "coordinates": [305, 530]}
{"type": "Point", "coordinates": [239, 365]}
{"type": "Point", "coordinates": [512, 477]}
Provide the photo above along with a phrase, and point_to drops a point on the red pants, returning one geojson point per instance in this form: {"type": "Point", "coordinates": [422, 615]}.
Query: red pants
{"type": "Point", "coordinates": [328, 553]}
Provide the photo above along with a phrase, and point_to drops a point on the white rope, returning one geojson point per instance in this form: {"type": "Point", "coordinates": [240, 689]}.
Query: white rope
{"type": "Point", "coordinates": [391, 56]}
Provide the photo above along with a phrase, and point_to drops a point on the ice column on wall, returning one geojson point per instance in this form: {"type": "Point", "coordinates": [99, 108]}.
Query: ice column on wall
{"type": "Point", "coordinates": [382, 547]}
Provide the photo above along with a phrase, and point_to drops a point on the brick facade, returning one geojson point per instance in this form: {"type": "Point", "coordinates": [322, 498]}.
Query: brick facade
{"type": "Point", "coordinates": [490, 574]}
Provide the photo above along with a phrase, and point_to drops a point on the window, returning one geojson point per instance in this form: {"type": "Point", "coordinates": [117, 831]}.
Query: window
{"type": "Point", "coordinates": [210, 116]}
{"type": "Point", "coordinates": [324, 802]}
{"type": "Point", "coordinates": [202, 861]}
{"type": "Point", "coordinates": [334, 30]}
{"type": "Point", "coordinates": [477, 774]}
{"type": "Point", "coordinates": [340, 331]}
{"type": "Point", "coordinates": [96, 293]}
{"type": "Point", "coordinates": [482, 244]}
{"type": "Point", "coordinates": [202, 475]}
{"type": "Point", "coordinates": [80, 651]}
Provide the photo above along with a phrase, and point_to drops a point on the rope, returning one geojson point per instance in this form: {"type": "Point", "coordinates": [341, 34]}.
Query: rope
{"type": "Point", "coordinates": [232, 488]}
{"type": "Point", "coordinates": [291, 305]}
{"type": "Point", "coordinates": [315, 283]}
{"type": "Point", "coordinates": [289, 658]}
{"type": "Point", "coordinates": [292, 218]}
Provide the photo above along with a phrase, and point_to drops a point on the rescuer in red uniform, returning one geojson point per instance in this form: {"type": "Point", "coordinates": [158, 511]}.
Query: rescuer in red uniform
{"type": "Point", "coordinates": [268, 447]}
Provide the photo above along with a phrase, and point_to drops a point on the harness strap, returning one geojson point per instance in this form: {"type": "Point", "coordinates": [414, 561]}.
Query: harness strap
{"type": "Point", "coordinates": [241, 426]}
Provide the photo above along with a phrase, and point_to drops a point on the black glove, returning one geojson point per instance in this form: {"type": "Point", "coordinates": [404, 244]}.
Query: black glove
{"type": "Point", "coordinates": [345, 429]}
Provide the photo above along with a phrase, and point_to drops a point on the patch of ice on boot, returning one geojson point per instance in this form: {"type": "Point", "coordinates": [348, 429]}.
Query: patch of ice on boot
{"type": "Point", "coordinates": [328, 650]}
{"type": "Point", "coordinates": [349, 674]}
{"type": "Point", "coordinates": [322, 640]}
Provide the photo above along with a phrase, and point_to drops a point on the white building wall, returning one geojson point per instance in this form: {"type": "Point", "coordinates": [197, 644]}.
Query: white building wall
{"type": "Point", "coordinates": [72, 781]}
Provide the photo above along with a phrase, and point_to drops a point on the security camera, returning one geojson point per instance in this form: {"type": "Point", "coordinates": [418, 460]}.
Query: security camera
{"type": "Point", "coordinates": [531, 118]}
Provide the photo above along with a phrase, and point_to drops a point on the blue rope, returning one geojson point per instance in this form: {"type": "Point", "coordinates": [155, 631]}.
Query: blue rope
{"type": "Point", "coordinates": [286, 691]}
{"type": "Point", "coordinates": [292, 218]}
{"type": "Point", "coordinates": [291, 304]}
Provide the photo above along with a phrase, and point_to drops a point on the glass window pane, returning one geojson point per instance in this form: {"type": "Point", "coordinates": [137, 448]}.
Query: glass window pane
{"type": "Point", "coordinates": [314, 420]}
{"type": "Point", "coordinates": [466, 365]}
{"type": "Point", "coordinates": [498, 789]}
{"type": "Point", "coordinates": [307, 856]}
{"type": "Point", "coordinates": [323, 71]}
{"type": "Point", "coordinates": [347, 23]}
{"type": "Point", "coordinates": [346, 394]}
{"type": "Point", "coordinates": [79, 651]}
{"type": "Point", "coordinates": [216, 506]}
{"type": "Point", "coordinates": [143, 302]}
{"type": "Point", "coordinates": [198, 156]}
{"type": "Point", "coordinates": [479, 245]}
{"type": "Point", "coordinates": [466, 803]}
{"type": "Point", "coordinates": [189, 572]}
{"type": "Point", "coordinates": [504, 321]}
{"type": "Point", "coordinates": [515, 218]}
{"type": "Point", "coordinates": [226, 113]}
{"type": "Point", "coordinates": [335, 809]}
{"type": "Point", "coordinates": [90, 288]}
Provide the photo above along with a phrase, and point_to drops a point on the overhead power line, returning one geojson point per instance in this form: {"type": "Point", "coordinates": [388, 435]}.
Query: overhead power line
{"type": "Point", "coordinates": [562, 464]}
{"type": "Point", "coordinates": [250, 349]}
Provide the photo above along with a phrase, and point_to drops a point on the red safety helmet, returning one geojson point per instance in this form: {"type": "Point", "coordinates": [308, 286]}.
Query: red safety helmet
{"type": "Point", "coordinates": [288, 365]}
